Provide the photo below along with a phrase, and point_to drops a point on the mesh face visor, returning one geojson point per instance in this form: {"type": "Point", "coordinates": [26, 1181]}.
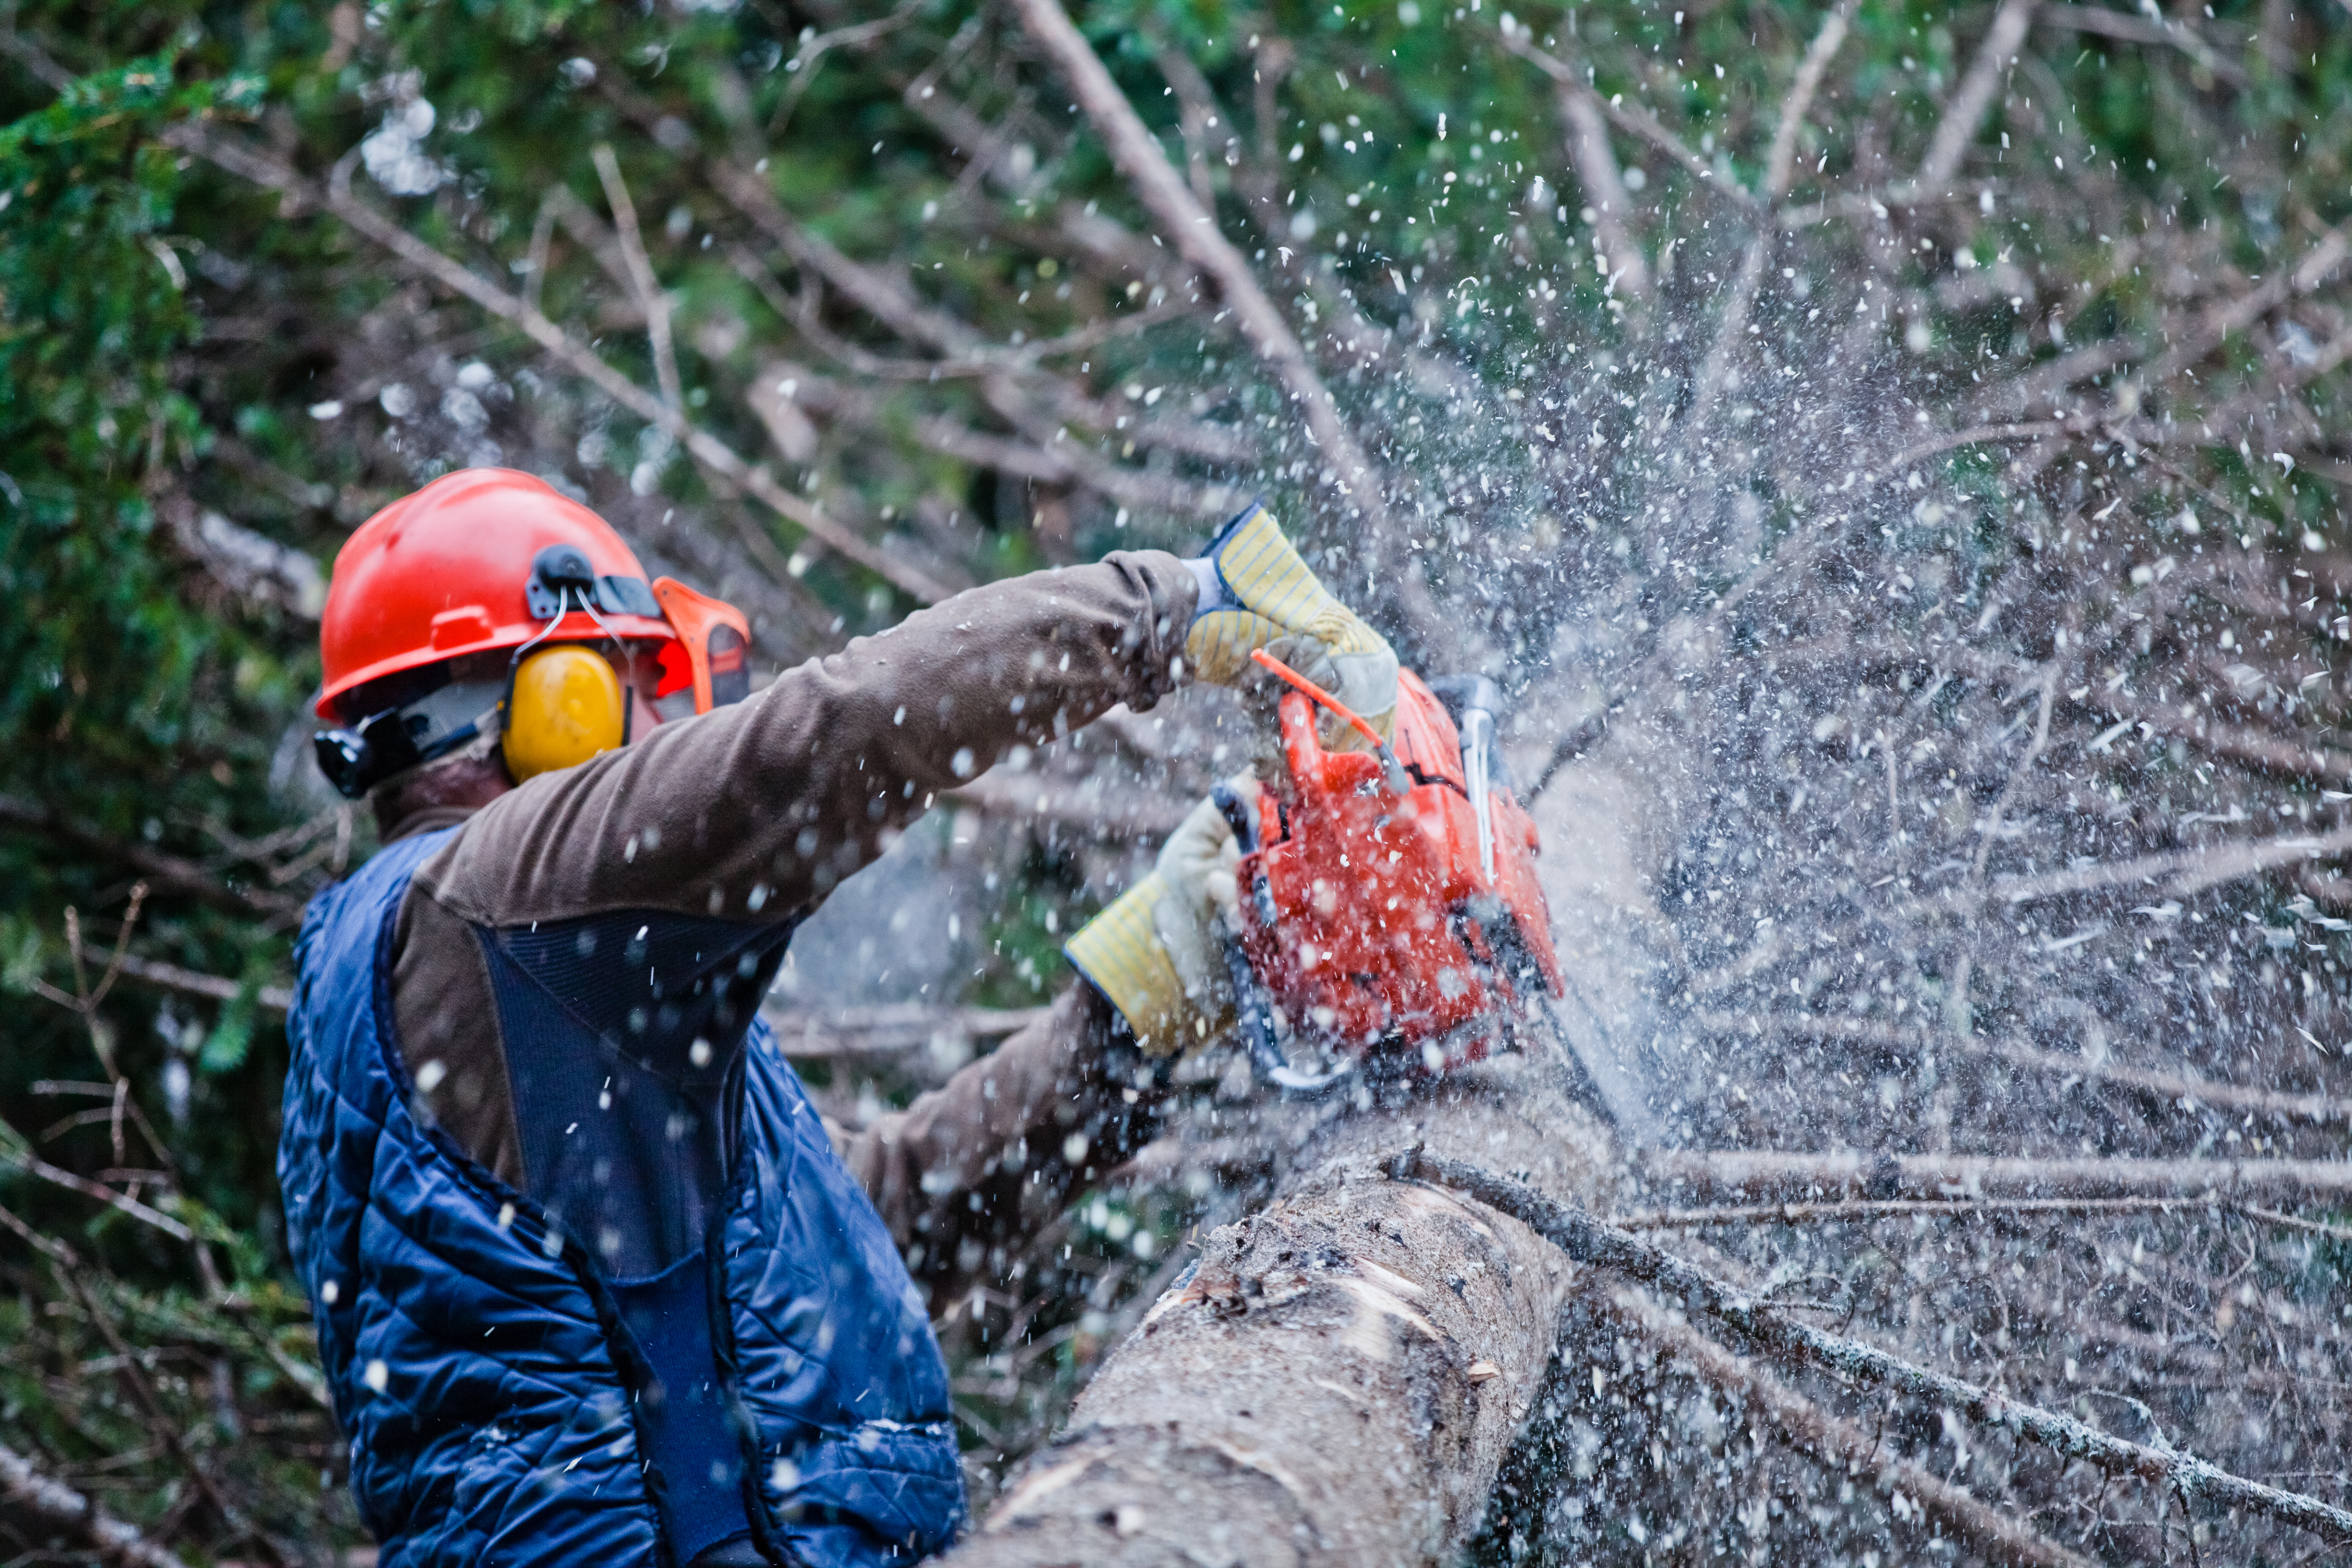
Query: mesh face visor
{"type": "Point", "coordinates": [712, 661]}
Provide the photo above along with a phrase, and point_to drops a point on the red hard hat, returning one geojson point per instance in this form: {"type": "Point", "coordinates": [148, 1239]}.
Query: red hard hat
{"type": "Point", "coordinates": [448, 570]}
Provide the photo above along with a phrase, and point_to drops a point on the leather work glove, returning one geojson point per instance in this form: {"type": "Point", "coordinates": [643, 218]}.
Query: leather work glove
{"type": "Point", "coordinates": [1268, 598]}
{"type": "Point", "coordinates": [1158, 952]}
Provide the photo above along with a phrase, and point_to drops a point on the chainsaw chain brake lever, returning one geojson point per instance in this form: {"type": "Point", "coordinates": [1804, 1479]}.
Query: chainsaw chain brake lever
{"type": "Point", "coordinates": [1392, 772]}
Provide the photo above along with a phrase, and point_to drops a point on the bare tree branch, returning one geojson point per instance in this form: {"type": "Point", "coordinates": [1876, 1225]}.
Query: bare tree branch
{"type": "Point", "coordinates": [812, 52]}
{"type": "Point", "coordinates": [2317, 1109]}
{"type": "Point", "coordinates": [1779, 164]}
{"type": "Point", "coordinates": [1861, 1211]}
{"type": "Point", "coordinates": [856, 1032]}
{"type": "Point", "coordinates": [1195, 235]}
{"type": "Point", "coordinates": [15, 1152]}
{"type": "Point", "coordinates": [1637, 122]}
{"type": "Point", "coordinates": [1839, 1444]}
{"type": "Point", "coordinates": [194, 982]}
{"type": "Point", "coordinates": [2131, 29]}
{"type": "Point", "coordinates": [647, 287]}
{"type": "Point", "coordinates": [55, 1503]}
{"type": "Point", "coordinates": [1589, 1241]}
{"type": "Point", "coordinates": [164, 873]}
{"type": "Point", "coordinates": [1745, 1172]}
{"type": "Point", "coordinates": [1966, 111]}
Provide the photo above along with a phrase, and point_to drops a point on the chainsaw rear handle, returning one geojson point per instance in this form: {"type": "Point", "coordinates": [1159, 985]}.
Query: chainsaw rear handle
{"type": "Point", "coordinates": [1257, 1027]}
{"type": "Point", "coordinates": [1249, 1000]}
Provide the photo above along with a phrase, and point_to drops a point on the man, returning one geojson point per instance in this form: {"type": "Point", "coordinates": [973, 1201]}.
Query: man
{"type": "Point", "coordinates": [590, 1282]}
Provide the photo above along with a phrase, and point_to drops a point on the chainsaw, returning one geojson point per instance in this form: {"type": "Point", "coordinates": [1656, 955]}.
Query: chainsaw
{"type": "Point", "coordinates": [1390, 920]}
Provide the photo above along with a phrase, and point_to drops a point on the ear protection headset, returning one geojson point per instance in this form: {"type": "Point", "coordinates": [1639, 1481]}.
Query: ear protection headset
{"type": "Point", "coordinates": [558, 705]}
{"type": "Point", "coordinates": [563, 704]}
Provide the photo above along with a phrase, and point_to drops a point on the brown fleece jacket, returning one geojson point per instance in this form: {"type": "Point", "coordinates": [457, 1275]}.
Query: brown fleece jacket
{"type": "Point", "coordinates": [753, 813]}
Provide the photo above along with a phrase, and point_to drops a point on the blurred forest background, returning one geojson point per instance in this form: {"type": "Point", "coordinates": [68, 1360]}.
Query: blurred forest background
{"type": "Point", "coordinates": [1924, 424]}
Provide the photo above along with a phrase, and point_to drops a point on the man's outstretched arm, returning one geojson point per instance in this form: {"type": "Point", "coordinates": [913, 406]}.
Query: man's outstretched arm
{"type": "Point", "coordinates": [754, 812]}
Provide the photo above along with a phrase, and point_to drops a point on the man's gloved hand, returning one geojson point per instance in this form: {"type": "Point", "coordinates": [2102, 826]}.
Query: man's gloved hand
{"type": "Point", "coordinates": [1158, 952]}
{"type": "Point", "coordinates": [1266, 597]}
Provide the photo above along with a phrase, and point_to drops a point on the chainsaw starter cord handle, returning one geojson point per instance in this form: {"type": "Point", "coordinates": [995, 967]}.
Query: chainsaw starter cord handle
{"type": "Point", "coordinates": [1399, 784]}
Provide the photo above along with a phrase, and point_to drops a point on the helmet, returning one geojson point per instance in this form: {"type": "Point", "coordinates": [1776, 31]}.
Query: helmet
{"type": "Point", "coordinates": [430, 591]}
{"type": "Point", "coordinates": [454, 570]}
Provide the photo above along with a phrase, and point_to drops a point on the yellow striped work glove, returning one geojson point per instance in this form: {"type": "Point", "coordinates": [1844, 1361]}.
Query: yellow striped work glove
{"type": "Point", "coordinates": [1265, 593]}
{"type": "Point", "coordinates": [1158, 952]}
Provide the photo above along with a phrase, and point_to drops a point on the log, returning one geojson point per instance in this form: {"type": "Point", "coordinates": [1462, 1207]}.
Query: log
{"type": "Point", "coordinates": [1337, 1378]}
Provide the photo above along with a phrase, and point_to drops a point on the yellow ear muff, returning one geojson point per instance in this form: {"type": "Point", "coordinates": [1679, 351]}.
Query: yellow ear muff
{"type": "Point", "coordinates": [566, 706]}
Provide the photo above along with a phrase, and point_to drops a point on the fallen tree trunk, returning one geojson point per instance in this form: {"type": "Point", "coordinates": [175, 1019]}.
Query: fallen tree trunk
{"type": "Point", "coordinates": [1338, 1377]}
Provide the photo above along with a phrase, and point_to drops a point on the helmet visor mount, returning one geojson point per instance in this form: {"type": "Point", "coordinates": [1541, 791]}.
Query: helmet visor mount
{"type": "Point", "coordinates": [714, 642]}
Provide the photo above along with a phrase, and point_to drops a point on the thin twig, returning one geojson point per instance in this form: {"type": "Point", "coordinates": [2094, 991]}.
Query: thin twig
{"type": "Point", "coordinates": [649, 289]}
{"type": "Point", "coordinates": [14, 1152]}
{"type": "Point", "coordinates": [811, 54]}
{"type": "Point", "coordinates": [194, 982]}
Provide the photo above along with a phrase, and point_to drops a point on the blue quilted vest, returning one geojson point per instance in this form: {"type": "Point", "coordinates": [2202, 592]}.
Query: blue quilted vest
{"type": "Point", "coordinates": [492, 1378]}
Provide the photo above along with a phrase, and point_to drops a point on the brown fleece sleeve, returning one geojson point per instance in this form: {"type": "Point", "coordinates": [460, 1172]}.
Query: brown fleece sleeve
{"type": "Point", "coordinates": [755, 811]}
{"type": "Point", "coordinates": [976, 1165]}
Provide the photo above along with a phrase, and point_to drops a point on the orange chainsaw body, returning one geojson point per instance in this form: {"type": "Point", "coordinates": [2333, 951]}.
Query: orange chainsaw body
{"type": "Point", "coordinates": [1366, 915]}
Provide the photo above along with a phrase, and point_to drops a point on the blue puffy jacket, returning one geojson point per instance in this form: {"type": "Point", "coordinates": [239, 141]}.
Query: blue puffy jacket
{"type": "Point", "coordinates": [493, 1381]}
